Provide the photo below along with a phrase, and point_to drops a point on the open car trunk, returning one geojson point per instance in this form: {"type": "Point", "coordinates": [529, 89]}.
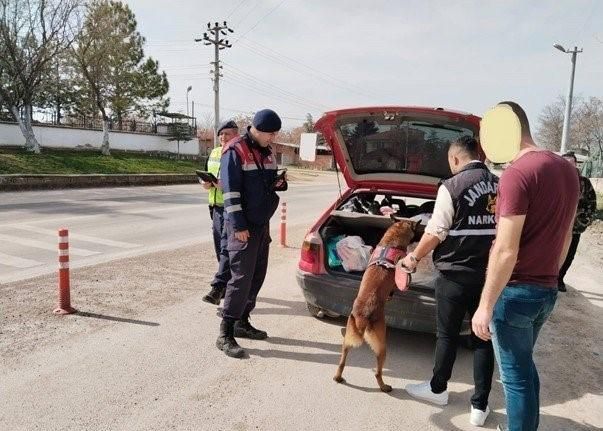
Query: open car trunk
{"type": "Point", "coordinates": [361, 216]}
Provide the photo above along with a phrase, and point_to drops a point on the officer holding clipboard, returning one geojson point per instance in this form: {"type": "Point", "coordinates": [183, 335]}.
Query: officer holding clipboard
{"type": "Point", "coordinates": [211, 182]}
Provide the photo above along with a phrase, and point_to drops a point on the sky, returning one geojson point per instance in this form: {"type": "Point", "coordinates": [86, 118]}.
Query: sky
{"type": "Point", "coordinates": [313, 56]}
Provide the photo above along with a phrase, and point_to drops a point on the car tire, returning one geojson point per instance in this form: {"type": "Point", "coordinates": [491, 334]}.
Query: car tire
{"type": "Point", "coordinates": [319, 313]}
{"type": "Point", "coordinates": [315, 311]}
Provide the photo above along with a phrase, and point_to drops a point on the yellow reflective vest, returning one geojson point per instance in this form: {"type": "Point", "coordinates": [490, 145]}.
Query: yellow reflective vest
{"type": "Point", "coordinates": [213, 166]}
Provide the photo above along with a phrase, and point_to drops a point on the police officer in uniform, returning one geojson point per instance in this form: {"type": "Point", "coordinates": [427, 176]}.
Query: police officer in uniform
{"type": "Point", "coordinates": [227, 131]}
{"type": "Point", "coordinates": [460, 233]}
{"type": "Point", "coordinates": [249, 181]}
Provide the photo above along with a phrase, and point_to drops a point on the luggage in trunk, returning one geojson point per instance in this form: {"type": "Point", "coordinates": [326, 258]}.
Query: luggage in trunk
{"type": "Point", "coordinates": [370, 228]}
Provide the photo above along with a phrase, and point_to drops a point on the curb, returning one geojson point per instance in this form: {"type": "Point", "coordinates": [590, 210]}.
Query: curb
{"type": "Point", "coordinates": [20, 182]}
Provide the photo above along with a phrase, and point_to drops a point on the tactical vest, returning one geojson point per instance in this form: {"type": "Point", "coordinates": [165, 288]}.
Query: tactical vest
{"type": "Point", "coordinates": [465, 250]}
{"type": "Point", "coordinates": [213, 166]}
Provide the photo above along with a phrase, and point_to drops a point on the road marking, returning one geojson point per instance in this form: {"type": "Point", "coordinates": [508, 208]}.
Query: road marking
{"type": "Point", "coordinates": [45, 245]}
{"type": "Point", "coordinates": [18, 262]}
{"type": "Point", "coordinates": [77, 236]}
{"type": "Point", "coordinates": [144, 211]}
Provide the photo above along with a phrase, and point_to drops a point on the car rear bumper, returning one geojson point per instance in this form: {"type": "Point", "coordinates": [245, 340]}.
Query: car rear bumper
{"type": "Point", "coordinates": [413, 310]}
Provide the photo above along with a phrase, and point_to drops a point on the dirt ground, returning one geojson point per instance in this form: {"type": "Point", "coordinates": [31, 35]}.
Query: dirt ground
{"type": "Point", "coordinates": [141, 351]}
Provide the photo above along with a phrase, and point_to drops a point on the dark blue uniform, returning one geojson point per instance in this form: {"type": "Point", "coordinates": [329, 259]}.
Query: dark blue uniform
{"type": "Point", "coordinates": [248, 172]}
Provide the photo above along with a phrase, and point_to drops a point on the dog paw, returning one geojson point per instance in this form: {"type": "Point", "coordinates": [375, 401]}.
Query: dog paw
{"type": "Point", "coordinates": [386, 388]}
{"type": "Point", "coordinates": [340, 379]}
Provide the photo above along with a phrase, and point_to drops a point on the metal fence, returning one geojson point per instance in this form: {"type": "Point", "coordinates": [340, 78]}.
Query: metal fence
{"type": "Point", "coordinates": [163, 128]}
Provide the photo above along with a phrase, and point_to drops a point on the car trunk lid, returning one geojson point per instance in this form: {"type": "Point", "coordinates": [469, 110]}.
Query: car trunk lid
{"type": "Point", "coordinates": [398, 148]}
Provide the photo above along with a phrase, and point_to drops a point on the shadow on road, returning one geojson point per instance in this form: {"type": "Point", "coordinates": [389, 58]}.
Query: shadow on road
{"type": "Point", "coordinates": [115, 319]}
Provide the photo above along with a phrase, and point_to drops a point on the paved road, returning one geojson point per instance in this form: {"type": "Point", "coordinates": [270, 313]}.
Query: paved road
{"type": "Point", "coordinates": [109, 223]}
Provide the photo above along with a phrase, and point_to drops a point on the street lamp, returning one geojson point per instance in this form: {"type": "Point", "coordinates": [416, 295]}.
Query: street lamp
{"type": "Point", "coordinates": [188, 90]}
{"type": "Point", "coordinates": [570, 92]}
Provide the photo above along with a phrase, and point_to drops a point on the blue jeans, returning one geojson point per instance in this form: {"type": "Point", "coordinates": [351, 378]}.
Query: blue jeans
{"type": "Point", "coordinates": [519, 313]}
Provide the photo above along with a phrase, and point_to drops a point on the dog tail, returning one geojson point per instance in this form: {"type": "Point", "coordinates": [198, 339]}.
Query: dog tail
{"type": "Point", "coordinates": [354, 334]}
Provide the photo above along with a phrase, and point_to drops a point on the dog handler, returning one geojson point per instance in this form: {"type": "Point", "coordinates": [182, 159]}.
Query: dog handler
{"type": "Point", "coordinates": [460, 234]}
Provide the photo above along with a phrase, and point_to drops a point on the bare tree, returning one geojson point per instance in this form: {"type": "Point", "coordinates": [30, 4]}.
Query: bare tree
{"type": "Point", "coordinates": [550, 127]}
{"type": "Point", "coordinates": [589, 126]}
{"type": "Point", "coordinates": [32, 34]}
{"type": "Point", "coordinates": [586, 125]}
{"type": "Point", "coordinates": [205, 121]}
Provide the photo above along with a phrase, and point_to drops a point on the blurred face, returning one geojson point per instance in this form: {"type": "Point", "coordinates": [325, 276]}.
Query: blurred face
{"type": "Point", "coordinates": [263, 138]}
{"type": "Point", "coordinates": [227, 134]}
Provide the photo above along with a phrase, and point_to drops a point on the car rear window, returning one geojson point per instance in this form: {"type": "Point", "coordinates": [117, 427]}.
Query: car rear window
{"type": "Point", "coordinates": [400, 145]}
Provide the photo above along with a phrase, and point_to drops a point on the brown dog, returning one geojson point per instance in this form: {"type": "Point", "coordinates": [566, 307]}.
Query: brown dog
{"type": "Point", "coordinates": [367, 320]}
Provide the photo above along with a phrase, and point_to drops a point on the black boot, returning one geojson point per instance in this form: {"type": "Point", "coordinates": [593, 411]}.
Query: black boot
{"type": "Point", "coordinates": [226, 341]}
{"type": "Point", "coordinates": [243, 329]}
{"type": "Point", "coordinates": [215, 295]}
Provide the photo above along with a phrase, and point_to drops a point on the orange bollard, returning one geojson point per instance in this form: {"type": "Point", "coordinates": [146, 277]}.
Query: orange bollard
{"type": "Point", "coordinates": [64, 294]}
{"type": "Point", "coordinates": [283, 224]}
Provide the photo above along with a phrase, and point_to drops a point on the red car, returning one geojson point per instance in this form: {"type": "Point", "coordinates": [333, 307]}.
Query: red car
{"type": "Point", "coordinates": [391, 157]}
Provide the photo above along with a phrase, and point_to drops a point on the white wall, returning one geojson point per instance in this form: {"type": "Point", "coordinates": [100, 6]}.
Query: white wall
{"type": "Point", "coordinates": [66, 137]}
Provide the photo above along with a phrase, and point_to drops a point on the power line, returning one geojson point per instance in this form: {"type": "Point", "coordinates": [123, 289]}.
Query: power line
{"type": "Point", "coordinates": [266, 93]}
{"type": "Point", "coordinates": [234, 9]}
{"type": "Point", "coordinates": [244, 74]}
{"type": "Point", "coordinates": [269, 91]}
{"type": "Point", "coordinates": [247, 15]}
{"type": "Point", "coordinates": [278, 58]}
{"type": "Point", "coordinates": [261, 19]}
{"type": "Point", "coordinates": [240, 111]}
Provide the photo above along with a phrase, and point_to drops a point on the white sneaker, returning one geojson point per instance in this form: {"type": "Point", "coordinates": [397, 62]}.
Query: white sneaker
{"type": "Point", "coordinates": [423, 391]}
{"type": "Point", "coordinates": [478, 417]}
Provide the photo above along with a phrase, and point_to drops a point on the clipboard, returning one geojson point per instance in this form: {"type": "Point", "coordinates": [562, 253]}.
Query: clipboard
{"type": "Point", "coordinates": [281, 175]}
{"type": "Point", "coordinates": [208, 177]}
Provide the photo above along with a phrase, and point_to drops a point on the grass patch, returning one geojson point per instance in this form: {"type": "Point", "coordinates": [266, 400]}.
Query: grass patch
{"type": "Point", "coordinates": [90, 162]}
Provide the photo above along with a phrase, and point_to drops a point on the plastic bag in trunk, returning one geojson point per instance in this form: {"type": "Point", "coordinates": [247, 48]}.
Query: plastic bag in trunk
{"type": "Point", "coordinates": [354, 253]}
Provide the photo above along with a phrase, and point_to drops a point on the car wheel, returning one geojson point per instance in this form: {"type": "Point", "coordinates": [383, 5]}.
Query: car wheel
{"type": "Point", "coordinates": [319, 312]}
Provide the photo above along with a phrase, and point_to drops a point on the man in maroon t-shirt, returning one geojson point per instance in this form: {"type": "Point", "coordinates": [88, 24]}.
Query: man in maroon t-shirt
{"type": "Point", "coordinates": [535, 209]}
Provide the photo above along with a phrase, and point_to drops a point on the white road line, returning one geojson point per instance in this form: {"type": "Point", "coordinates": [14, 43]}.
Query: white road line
{"type": "Point", "coordinates": [18, 262]}
{"type": "Point", "coordinates": [81, 237]}
{"type": "Point", "coordinates": [181, 207]}
{"type": "Point", "coordinates": [45, 245]}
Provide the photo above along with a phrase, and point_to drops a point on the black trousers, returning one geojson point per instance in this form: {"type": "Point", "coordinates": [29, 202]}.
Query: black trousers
{"type": "Point", "coordinates": [248, 266]}
{"type": "Point", "coordinates": [220, 243]}
{"type": "Point", "coordinates": [570, 256]}
{"type": "Point", "coordinates": [453, 300]}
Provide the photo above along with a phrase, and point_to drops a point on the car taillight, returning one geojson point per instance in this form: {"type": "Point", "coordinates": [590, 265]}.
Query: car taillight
{"type": "Point", "coordinates": [311, 254]}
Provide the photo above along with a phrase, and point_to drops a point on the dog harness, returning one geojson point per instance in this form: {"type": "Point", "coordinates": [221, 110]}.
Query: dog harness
{"type": "Point", "coordinates": [386, 257]}
{"type": "Point", "coordinates": [389, 258]}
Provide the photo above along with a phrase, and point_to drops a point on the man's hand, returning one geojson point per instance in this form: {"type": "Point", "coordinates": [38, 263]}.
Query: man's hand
{"type": "Point", "coordinates": [480, 323]}
{"type": "Point", "coordinates": [409, 263]}
{"type": "Point", "coordinates": [242, 235]}
{"type": "Point", "coordinates": [206, 185]}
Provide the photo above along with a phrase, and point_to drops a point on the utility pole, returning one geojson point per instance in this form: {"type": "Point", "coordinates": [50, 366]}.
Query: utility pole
{"type": "Point", "coordinates": [213, 38]}
{"type": "Point", "coordinates": [568, 100]}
